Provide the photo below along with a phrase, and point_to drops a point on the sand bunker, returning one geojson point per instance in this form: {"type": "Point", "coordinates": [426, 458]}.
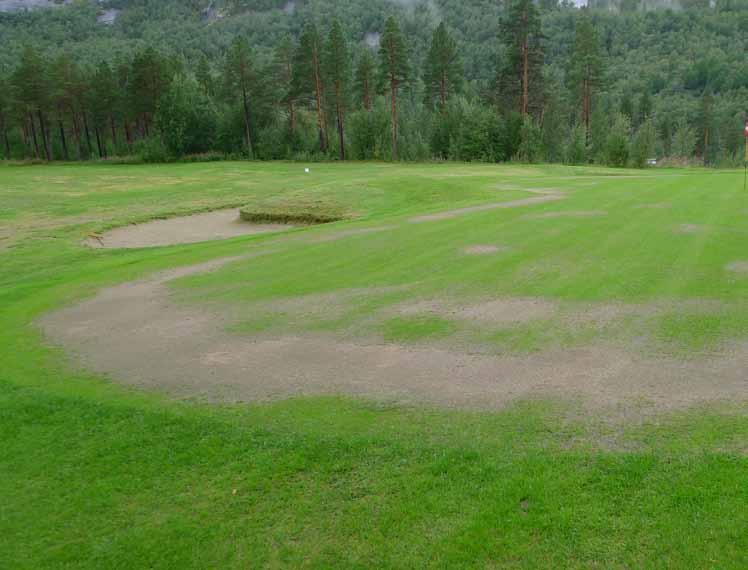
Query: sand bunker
{"type": "Point", "coordinates": [136, 334]}
{"type": "Point", "coordinates": [221, 224]}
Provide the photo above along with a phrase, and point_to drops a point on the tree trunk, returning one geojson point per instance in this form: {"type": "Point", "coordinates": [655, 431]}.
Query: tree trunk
{"type": "Point", "coordinates": [26, 138]}
{"type": "Point", "coordinates": [88, 134]}
{"type": "Point", "coordinates": [77, 134]}
{"type": "Point", "coordinates": [443, 91]}
{"type": "Point", "coordinates": [247, 130]}
{"type": "Point", "coordinates": [706, 146]}
{"type": "Point", "coordinates": [102, 151]}
{"type": "Point", "coordinates": [291, 118]}
{"type": "Point", "coordinates": [33, 135]}
{"type": "Point", "coordinates": [319, 92]}
{"type": "Point", "coordinates": [114, 134]}
{"type": "Point", "coordinates": [525, 79]}
{"type": "Point", "coordinates": [45, 138]}
{"type": "Point", "coordinates": [128, 135]}
{"type": "Point", "coordinates": [525, 67]}
{"type": "Point", "coordinates": [339, 112]}
{"type": "Point", "coordinates": [63, 139]}
{"type": "Point", "coordinates": [393, 92]}
{"type": "Point", "coordinates": [6, 141]}
{"type": "Point", "coordinates": [586, 107]}
{"type": "Point", "coordinates": [367, 95]}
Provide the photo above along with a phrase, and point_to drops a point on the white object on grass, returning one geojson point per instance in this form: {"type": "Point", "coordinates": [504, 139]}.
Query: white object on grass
{"type": "Point", "coordinates": [307, 170]}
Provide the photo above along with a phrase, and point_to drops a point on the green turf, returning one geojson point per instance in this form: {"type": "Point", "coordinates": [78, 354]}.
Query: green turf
{"type": "Point", "coordinates": [98, 476]}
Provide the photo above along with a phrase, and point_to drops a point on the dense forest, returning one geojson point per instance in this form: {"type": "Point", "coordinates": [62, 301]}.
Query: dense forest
{"type": "Point", "coordinates": [617, 83]}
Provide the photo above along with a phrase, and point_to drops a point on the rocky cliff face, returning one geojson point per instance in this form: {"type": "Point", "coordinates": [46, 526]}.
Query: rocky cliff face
{"type": "Point", "coordinates": [20, 5]}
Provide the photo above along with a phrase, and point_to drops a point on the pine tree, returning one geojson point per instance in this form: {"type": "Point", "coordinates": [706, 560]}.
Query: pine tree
{"type": "Point", "coordinates": [104, 102]}
{"type": "Point", "coordinates": [705, 123]}
{"type": "Point", "coordinates": [283, 74]}
{"type": "Point", "coordinates": [123, 72]}
{"type": "Point", "coordinates": [443, 70]}
{"type": "Point", "coordinates": [5, 115]}
{"type": "Point", "coordinates": [32, 93]}
{"type": "Point", "coordinates": [365, 81]}
{"type": "Point", "coordinates": [150, 79]}
{"type": "Point", "coordinates": [587, 68]}
{"type": "Point", "coordinates": [63, 78]}
{"type": "Point", "coordinates": [337, 70]}
{"type": "Point", "coordinates": [520, 78]}
{"type": "Point", "coordinates": [239, 79]}
{"type": "Point", "coordinates": [308, 77]}
{"type": "Point", "coordinates": [394, 70]}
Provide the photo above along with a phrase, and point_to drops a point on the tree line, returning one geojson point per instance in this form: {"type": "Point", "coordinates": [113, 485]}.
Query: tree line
{"type": "Point", "coordinates": [321, 96]}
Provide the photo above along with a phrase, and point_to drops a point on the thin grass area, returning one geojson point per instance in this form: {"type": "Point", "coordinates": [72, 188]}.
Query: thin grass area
{"type": "Point", "coordinates": [95, 475]}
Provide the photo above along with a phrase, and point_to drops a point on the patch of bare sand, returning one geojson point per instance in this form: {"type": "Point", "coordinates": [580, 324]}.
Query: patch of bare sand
{"type": "Point", "coordinates": [655, 206]}
{"type": "Point", "coordinates": [484, 249]}
{"type": "Point", "coordinates": [498, 311]}
{"type": "Point", "coordinates": [567, 214]}
{"type": "Point", "coordinates": [135, 333]}
{"type": "Point", "coordinates": [691, 229]}
{"type": "Point", "coordinates": [314, 306]}
{"type": "Point", "coordinates": [220, 224]}
{"type": "Point", "coordinates": [737, 267]}
{"type": "Point", "coordinates": [545, 195]}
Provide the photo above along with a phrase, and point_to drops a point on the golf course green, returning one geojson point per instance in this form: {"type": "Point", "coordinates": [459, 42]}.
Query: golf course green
{"type": "Point", "coordinates": [467, 366]}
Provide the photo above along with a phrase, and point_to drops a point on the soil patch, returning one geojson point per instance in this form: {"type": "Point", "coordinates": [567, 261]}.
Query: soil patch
{"type": "Point", "coordinates": [571, 214]}
{"type": "Point", "coordinates": [220, 224]}
{"type": "Point", "coordinates": [691, 229]}
{"type": "Point", "coordinates": [656, 206]}
{"type": "Point", "coordinates": [738, 267]}
{"type": "Point", "coordinates": [499, 311]}
{"type": "Point", "coordinates": [137, 334]}
{"type": "Point", "coordinates": [484, 249]}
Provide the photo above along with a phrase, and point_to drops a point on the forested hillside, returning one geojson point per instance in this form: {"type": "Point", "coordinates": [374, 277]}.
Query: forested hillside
{"type": "Point", "coordinates": [616, 83]}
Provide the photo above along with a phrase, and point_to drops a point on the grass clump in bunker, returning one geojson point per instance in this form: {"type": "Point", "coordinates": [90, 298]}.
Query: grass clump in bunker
{"type": "Point", "coordinates": [293, 210]}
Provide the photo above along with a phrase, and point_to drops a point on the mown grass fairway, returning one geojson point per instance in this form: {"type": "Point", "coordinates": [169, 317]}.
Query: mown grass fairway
{"type": "Point", "coordinates": [590, 470]}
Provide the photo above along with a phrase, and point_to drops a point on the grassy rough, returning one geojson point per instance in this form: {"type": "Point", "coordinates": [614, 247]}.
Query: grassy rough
{"type": "Point", "coordinates": [99, 476]}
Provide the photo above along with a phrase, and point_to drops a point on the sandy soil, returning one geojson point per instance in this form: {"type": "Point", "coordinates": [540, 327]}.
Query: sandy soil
{"type": "Point", "coordinates": [220, 224]}
{"type": "Point", "coordinates": [484, 249]}
{"type": "Point", "coordinates": [498, 311]}
{"type": "Point", "coordinates": [138, 335]}
{"type": "Point", "coordinates": [738, 267]}
{"type": "Point", "coordinates": [563, 214]}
